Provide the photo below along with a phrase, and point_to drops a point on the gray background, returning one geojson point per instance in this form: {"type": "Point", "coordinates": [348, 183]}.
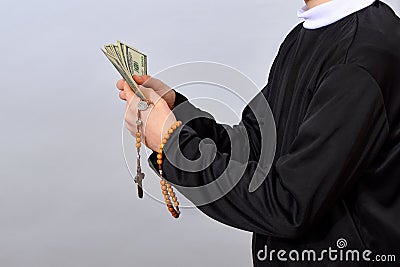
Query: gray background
{"type": "Point", "coordinates": [66, 197]}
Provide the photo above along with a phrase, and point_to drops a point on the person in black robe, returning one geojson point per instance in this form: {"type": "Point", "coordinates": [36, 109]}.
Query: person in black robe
{"type": "Point", "coordinates": [334, 91]}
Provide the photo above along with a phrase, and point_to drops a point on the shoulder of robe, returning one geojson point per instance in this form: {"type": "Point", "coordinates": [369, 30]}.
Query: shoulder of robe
{"type": "Point", "coordinates": [348, 80]}
{"type": "Point", "coordinates": [376, 43]}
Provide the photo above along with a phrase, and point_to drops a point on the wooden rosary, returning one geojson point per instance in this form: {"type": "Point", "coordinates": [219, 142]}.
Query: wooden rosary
{"type": "Point", "coordinates": [167, 190]}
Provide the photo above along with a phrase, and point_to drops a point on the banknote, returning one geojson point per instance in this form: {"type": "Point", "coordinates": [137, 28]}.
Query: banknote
{"type": "Point", "coordinates": [128, 61]}
{"type": "Point", "coordinates": [137, 61]}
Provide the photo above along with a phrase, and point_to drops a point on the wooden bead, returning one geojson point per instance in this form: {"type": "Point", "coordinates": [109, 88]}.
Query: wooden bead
{"type": "Point", "coordinates": [138, 145]}
{"type": "Point", "coordinates": [138, 140]}
{"type": "Point", "coordinates": [138, 134]}
{"type": "Point", "coordinates": [166, 187]}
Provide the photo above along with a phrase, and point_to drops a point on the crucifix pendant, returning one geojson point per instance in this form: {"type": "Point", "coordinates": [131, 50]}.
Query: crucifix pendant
{"type": "Point", "coordinates": [139, 180]}
{"type": "Point", "coordinates": [139, 174]}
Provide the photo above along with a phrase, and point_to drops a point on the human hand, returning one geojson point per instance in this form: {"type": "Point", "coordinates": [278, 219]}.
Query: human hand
{"type": "Point", "coordinates": [156, 120]}
{"type": "Point", "coordinates": [158, 86]}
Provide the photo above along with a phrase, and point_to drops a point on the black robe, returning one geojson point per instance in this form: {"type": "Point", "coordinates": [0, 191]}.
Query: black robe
{"type": "Point", "coordinates": [335, 96]}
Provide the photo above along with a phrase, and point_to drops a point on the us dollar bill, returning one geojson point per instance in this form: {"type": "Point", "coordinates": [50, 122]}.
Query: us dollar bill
{"type": "Point", "coordinates": [128, 61]}
{"type": "Point", "coordinates": [137, 61]}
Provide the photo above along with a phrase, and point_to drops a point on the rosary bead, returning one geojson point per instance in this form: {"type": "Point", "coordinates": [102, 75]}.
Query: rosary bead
{"type": "Point", "coordinates": [138, 140]}
{"type": "Point", "coordinates": [138, 145]}
{"type": "Point", "coordinates": [138, 134]}
{"type": "Point", "coordinates": [166, 187]}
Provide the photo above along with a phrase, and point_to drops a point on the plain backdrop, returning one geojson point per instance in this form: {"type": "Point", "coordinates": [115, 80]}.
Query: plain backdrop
{"type": "Point", "coordinates": [66, 196]}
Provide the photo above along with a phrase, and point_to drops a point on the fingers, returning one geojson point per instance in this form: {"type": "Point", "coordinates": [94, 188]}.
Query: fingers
{"type": "Point", "coordinates": [141, 79]}
{"type": "Point", "coordinates": [130, 120]}
{"type": "Point", "coordinates": [120, 84]}
{"type": "Point", "coordinates": [155, 84]}
{"type": "Point", "coordinates": [131, 107]}
{"type": "Point", "coordinates": [129, 94]}
{"type": "Point", "coordinates": [126, 93]}
{"type": "Point", "coordinates": [122, 95]}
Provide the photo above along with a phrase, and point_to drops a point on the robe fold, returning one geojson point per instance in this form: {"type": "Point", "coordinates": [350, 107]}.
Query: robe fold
{"type": "Point", "coordinates": [334, 93]}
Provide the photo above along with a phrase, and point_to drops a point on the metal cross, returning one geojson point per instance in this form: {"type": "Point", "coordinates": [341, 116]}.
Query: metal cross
{"type": "Point", "coordinates": [138, 179]}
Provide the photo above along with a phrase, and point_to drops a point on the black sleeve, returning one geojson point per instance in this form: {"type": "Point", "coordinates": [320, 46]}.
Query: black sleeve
{"type": "Point", "coordinates": [344, 127]}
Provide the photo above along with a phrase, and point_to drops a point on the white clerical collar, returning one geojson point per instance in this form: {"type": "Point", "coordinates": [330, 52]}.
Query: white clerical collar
{"type": "Point", "coordinates": [330, 12]}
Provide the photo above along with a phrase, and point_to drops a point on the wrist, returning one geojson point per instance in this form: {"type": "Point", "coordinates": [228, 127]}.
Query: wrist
{"type": "Point", "coordinates": [170, 98]}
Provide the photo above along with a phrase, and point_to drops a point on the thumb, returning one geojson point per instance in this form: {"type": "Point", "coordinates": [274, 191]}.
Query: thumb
{"type": "Point", "coordinates": [141, 79]}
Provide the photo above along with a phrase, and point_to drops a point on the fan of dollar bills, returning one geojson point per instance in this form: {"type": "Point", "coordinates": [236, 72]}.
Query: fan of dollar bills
{"type": "Point", "coordinates": [128, 61]}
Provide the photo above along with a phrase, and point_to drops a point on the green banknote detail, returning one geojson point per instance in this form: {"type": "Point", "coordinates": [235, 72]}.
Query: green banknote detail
{"type": "Point", "coordinates": [128, 61]}
{"type": "Point", "coordinates": [125, 74]}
